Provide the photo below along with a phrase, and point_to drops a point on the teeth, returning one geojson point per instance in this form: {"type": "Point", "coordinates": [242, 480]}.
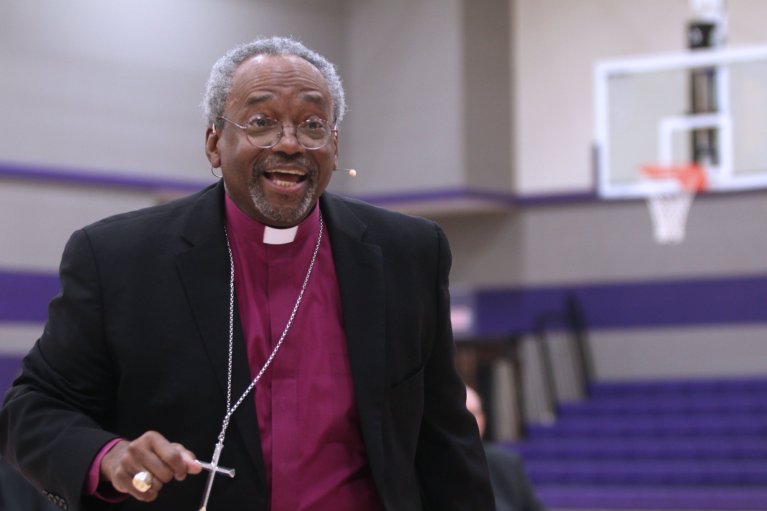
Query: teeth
{"type": "Point", "coordinates": [282, 184]}
{"type": "Point", "coordinates": [287, 171]}
{"type": "Point", "coordinates": [274, 177]}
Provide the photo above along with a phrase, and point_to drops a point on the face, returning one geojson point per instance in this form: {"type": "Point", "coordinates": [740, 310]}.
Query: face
{"type": "Point", "coordinates": [474, 405]}
{"type": "Point", "coordinates": [280, 185]}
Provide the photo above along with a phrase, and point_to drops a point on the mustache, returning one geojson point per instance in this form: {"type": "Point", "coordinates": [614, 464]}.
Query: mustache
{"type": "Point", "coordinates": [279, 160]}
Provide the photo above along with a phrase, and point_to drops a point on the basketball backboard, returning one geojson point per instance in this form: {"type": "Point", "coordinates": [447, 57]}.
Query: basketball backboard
{"type": "Point", "coordinates": [648, 111]}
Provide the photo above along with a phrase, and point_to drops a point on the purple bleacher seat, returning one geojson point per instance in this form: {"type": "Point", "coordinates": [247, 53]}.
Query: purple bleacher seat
{"type": "Point", "coordinates": [648, 472]}
{"type": "Point", "coordinates": [685, 387]}
{"type": "Point", "coordinates": [596, 497]}
{"type": "Point", "coordinates": [703, 448]}
{"type": "Point", "coordinates": [755, 403]}
{"type": "Point", "coordinates": [673, 444]}
{"type": "Point", "coordinates": [663, 426]}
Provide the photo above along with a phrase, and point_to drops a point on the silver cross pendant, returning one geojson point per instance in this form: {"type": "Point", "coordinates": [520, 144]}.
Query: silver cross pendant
{"type": "Point", "coordinates": [213, 470]}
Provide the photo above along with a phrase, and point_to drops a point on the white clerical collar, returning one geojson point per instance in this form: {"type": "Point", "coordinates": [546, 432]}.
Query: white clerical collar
{"type": "Point", "coordinates": [274, 236]}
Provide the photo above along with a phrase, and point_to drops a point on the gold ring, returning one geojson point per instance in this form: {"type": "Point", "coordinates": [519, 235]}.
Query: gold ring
{"type": "Point", "coordinates": [142, 481]}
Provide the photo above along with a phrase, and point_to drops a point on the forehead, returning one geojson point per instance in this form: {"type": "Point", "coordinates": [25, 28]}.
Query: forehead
{"type": "Point", "coordinates": [264, 78]}
{"type": "Point", "coordinates": [472, 401]}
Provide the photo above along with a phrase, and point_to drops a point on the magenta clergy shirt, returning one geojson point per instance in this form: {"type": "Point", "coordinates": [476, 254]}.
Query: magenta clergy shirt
{"type": "Point", "coordinates": [313, 451]}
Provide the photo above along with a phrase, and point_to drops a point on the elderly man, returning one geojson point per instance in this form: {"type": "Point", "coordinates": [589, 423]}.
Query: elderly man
{"type": "Point", "coordinates": [295, 340]}
{"type": "Point", "coordinates": [512, 488]}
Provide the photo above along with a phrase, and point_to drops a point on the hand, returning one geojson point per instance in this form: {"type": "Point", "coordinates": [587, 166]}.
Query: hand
{"type": "Point", "coordinates": [150, 452]}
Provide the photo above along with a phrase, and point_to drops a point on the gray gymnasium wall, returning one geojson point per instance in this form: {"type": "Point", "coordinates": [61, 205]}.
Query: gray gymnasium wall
{"type": "Point", "coordinates": [98, 91]}
{"type": "Point", "coordinates": [554, 44]}
{"type": "Point", "coordinates": [454, 95]}
{"type": "Point", "coordinates": [115, 86]}
{"type": "Point", "coordinates": [592, 243]}
{"type": "Point", "coordinates": [430, 97]}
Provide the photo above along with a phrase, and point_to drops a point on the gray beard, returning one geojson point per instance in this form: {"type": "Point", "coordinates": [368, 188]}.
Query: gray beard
{"type": "Point", "coordinates": [282, 215]}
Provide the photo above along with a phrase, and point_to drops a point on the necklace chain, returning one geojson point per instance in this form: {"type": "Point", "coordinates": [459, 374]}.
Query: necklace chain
{"type": "Point", "coordinates": [229, 408]}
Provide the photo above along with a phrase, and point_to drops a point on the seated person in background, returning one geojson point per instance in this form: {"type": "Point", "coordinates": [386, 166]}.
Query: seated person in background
{"type": "Point", "coordinates": [512, 488]}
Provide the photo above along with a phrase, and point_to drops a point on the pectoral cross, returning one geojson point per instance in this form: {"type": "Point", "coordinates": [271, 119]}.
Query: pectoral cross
{"type": "Point", "coordinates": [214, 469]}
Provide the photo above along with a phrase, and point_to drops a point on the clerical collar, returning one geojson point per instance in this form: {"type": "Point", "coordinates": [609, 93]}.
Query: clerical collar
{"type": "Point", "coordinates": [274, 236]}
{"type": "Point", "coordinates": [242, 225]}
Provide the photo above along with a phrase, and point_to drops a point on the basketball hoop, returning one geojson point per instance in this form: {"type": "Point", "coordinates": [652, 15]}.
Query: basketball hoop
{"type": "Point", "coordinates": [669, 206]}
{"type": "Point", "coordinates": [710, 9]}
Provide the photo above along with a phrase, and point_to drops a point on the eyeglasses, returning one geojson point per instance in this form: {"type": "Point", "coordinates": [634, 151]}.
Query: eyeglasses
{"type": "Point", "coordinates": [265, 132]}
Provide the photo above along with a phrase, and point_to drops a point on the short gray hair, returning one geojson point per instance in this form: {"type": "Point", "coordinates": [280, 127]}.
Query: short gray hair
{"type": "Point", "coordinates": [220, 80]}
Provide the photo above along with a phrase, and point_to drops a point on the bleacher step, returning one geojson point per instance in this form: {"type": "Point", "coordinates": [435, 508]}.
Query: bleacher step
{"type": "Point", "coordinates": [662, 426]}
{"type": "Point", "coordinates": [722, 498]}
{"type": "Point", "coordinates": [654, 445]}
{"type": "Point", "coordinates": [683, 448]}
{"type": "Point", "coordinates": [648, 472]}
{"type": "Point", "coordinates": [755, 403]}
{"type": "Point", "coordinates": [709, 387]}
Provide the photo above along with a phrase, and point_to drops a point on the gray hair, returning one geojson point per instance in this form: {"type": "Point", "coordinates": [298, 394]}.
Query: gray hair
{"type": "Point", "coordinates": [220, 80]}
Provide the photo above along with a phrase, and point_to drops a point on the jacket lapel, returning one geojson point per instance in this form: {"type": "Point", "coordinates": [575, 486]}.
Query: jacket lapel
{"type": "Point", "coordinates": [204, 272]}
{"type": "Point", "coordinates": [359, 267]}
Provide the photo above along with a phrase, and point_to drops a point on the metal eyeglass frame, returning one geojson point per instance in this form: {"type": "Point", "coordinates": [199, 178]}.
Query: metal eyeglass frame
{"type": "Point", "coordinates": [280, 132]}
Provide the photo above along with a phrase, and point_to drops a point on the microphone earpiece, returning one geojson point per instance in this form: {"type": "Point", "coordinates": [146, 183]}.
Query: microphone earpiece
{"type": "Point", "coordinates": [350, 172]}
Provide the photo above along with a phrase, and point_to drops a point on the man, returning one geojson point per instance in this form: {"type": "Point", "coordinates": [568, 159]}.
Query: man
{"type": "Point", "coordinates": [511, 486]}
{"type": "Point", "coordinates": [304, 335]}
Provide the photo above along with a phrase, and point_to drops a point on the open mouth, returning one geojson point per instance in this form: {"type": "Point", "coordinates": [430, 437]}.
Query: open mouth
{"type": "Point", "coordinates": [285, 178]}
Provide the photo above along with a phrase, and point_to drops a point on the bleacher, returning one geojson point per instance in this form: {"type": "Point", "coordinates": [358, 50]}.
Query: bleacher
{"type": "Point", "coordinates": [686, 444]}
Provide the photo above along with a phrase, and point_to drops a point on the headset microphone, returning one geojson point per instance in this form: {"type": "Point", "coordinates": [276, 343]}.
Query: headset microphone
{"type": "Point", "coordinates": [351, 172]}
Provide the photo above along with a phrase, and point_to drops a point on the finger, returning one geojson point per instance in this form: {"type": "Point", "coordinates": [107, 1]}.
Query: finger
{"type": "Point", "coordinates": [194, 468]}
{"type": "Point", "coordinates": [149, 494]}
{"type": "Point", "coordinates": [146, 453]}
{"type": "Point", "coordinates": [126, 459]}
{"type": "Point", "coordinates": [175, 458]}
{"type": "Point", "coordinates": [167, 460]}
{"type": "Point", "coordinates": [123, 482]}
{"type": "Point", "coordinates": [153, 453]}
{"type": "Point", "coordinates": [188, 457]}
{"type": "Point", "coordinates": [119, 466]}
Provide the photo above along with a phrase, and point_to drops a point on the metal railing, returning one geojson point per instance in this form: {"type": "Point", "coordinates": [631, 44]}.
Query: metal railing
{"type": "Point", "coordinates": [569, 320]}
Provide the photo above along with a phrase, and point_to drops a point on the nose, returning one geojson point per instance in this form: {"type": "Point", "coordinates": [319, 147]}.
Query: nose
{"type": "Point", "coordinates": [288, 142]}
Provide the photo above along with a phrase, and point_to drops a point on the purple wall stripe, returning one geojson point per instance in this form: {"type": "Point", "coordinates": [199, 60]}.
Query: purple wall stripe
{"type": "Point", "coordinates": [668, 303]}
{"type": "Point", "coordinates": [24, 296]}
{"type": "Point", "coordinates": [24, 172]}
{"type": "Point", "coordinates": [441, 195]}
{"type": "Point", "coordinates": [37, 173]}
{"type": "Point", "coordinates": [9, 368]}
{"type": "Point", "coordinates": [726, 300]}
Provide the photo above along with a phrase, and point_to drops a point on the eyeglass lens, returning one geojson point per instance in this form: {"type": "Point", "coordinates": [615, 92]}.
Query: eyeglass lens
{"type": "Point", "coordinates": [310, 134]}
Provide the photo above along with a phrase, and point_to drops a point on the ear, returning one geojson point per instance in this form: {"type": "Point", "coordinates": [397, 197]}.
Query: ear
{"type": "Point", "coordinates": [335, 149]}
{"type": "Point", "coordinates": [211, 146]}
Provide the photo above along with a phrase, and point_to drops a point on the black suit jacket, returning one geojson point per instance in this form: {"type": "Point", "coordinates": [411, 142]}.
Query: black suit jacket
{"type": "Point", "coordinates": [137, 340]}
{"type": "Point", "coordinates": [16, 494]}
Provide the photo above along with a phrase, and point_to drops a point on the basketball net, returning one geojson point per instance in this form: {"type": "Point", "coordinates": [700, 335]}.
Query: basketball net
{"type": "Point", "coordinates": [669, 208]}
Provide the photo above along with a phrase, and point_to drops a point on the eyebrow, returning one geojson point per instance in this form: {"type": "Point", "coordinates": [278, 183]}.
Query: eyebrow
{"type": "Point", "coordinates": [259, 98]}
{"type": "Point", "coordinates": [313, 97]}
